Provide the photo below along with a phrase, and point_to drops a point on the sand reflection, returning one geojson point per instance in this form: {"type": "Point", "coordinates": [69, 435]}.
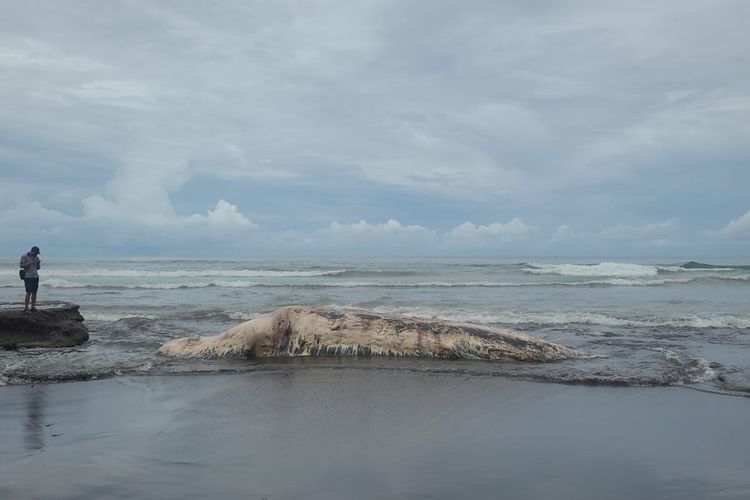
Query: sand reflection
{"type": "Point", "coordinates": [33, 424]}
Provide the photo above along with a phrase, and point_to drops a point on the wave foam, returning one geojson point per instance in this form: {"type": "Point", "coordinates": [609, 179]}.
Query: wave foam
{"type": "Point", "coordinates": [60, 283]}
{"type": "Point", "coordinates": [617, 269]}
{"type": "Point", "coordinates": [333, 283]}
{"type": "Point", "coordinates": [112, 317]}
{"type": "Point", "coordinates": [626, 270]}
{"type": "Point", "coordinates": [241, 315]}
{"type": "Point", "coordinates": [200, 273]}
{"type": "Point", "coordinates": [690, 370]}
{"type": "Point", "coordinates": [571, 317]}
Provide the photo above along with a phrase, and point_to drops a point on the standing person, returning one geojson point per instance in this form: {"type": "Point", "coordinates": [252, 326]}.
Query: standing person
{"type": "Point", "coordinates": [30, 263]}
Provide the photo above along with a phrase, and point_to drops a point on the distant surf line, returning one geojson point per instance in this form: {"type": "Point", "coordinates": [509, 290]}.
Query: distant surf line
{"type": "Point", "coordinates": [61, 283]}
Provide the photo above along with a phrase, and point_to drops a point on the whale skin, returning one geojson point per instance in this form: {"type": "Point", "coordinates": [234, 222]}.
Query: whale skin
{"type": "Point", "coordinates": [307, 331]}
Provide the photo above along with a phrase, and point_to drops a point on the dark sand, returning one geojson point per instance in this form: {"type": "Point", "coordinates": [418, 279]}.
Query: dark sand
{"type": "Point", "coordinates": [362, 434]}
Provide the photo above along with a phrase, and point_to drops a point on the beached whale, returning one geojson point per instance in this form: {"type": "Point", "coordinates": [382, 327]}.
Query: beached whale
{"type": "Point", "coordinates": [305, 331]}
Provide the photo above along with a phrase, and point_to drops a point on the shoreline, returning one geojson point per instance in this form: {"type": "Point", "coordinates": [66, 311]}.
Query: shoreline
{"type": "Point", "coordinates": [471, 369]}
{"type": "Point", "coordinates": [343, 433]}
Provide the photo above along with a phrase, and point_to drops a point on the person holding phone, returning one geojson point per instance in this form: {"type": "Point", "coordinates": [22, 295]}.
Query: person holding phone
{"type": "Point", "coordinates": [30, 263]}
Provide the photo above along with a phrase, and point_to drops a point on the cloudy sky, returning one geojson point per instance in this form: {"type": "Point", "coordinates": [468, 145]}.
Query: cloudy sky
{"type": "Point", "coordinates": [421, 127]}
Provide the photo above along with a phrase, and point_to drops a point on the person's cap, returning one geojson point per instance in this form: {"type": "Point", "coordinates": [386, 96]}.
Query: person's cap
{"type": "Point", "coordinates": [35, 249]}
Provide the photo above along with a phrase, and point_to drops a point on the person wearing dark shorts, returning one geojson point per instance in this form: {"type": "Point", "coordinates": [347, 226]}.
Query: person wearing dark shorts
{"type": "Point", "coordinates": [30, 263]}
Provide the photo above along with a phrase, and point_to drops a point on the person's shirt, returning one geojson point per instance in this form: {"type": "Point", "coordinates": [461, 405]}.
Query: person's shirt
{"type": "Point", "coordinates": [30, 263]}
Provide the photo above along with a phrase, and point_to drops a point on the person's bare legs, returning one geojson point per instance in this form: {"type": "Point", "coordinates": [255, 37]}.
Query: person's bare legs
{"type": "Point", "coordinates": [33, 302]}
{"type": "Point", "coordinates": [26, 302]}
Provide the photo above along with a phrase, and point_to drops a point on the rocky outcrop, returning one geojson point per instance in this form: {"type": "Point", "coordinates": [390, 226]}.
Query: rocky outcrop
{"type": "Point", "coordinates": [304, 331]}
{"type": "Point", "coordinates": [53, 324]}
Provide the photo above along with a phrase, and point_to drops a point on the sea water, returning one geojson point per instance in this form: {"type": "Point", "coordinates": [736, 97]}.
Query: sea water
{"type": "Point", "coordinates": [634, 322]}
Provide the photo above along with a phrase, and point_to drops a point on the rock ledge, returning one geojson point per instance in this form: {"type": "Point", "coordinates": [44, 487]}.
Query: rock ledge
{"type": "Point", "coordinates": [54, 324]}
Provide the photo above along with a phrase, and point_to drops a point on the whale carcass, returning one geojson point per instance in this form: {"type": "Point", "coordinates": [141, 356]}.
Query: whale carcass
{"type": "Point", "coordinates": [305, 331]}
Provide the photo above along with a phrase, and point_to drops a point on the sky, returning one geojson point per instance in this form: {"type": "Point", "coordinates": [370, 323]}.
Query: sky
{"type": "Point", "coordinates": [375, 128]}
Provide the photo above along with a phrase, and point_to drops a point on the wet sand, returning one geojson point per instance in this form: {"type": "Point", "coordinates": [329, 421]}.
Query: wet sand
{"type": "Point", "coordinates": [368, 434]}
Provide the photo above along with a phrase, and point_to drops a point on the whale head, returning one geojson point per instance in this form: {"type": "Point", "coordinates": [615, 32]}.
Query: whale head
{"type": "Point", "coordinates": [249, 339]}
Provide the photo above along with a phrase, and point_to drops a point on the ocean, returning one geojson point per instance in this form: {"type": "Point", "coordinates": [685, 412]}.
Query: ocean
{"type": "Point", "coordinates": [636, 322]}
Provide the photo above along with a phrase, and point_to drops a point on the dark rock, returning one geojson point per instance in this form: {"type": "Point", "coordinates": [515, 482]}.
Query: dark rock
{"type": "Point", "coordinates": [53, 324]}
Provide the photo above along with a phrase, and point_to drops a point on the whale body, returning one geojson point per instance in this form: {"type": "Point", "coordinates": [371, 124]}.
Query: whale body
{"type": "Point", "coordinates": [306, 331]}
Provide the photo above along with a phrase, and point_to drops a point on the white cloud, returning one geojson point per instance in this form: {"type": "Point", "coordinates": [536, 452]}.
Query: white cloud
{"type": "Point", "coordinates": [470, 234]}
{"type": "Point", "coordinates": [563, 233]}
{"type": "Point", "coordinates": [657, 233]}
{"type": "Point", "coordinates": [738, 228]}
{"type": "Point", "coordinates": [30, 223]}
{"type": "Point", "coordinates": [32, 54]}
{"type": "Point", "coordinates": [390, 228]}
{"type": "Point", "coordinates": [139, 195]}
{"type": "Point", "coordinates": [363, 237]}
{"type": "Point", "coordinates": [132, 94]}
{"type": "Point", "coordinates": [417, 239]}
{"type": "Point", "coordinates": [709, 122]}
{"type": "Point", "coordinates": [32, 218]}
{"type": "Point", "coordinates": [112, 216]}
{"type": "Point", "coordinates": [225, 215]}
{"type": "Point", "coordinates": [509, 123]}
{"type": "Point", "coordinates": [135, 209]}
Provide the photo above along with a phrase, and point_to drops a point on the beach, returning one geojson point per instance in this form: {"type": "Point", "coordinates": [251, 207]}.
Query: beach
{"type": "Point", "coordinates": [653, 405]}
{"type": "Point", "coordinates": [327, 432]}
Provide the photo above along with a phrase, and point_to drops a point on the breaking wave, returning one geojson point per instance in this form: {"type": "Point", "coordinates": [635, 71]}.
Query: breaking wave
{"type": "Point", "coordinates": [62, 283]}
{"type": "Point", "coordinates": [385, 273]}
{"type": "Point", "coordinates": [687, 370]}
{"type": "Point", "coordinates": [111, 317]}
{"type": "Point", "coordinates": [200, 273]}
{"type": "Point", "coordinates": [603, 269]}
{"type": "Point", "coordinates": [572, 317]}
{"type": "Point", "coordinates": [623, 270]}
